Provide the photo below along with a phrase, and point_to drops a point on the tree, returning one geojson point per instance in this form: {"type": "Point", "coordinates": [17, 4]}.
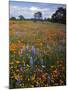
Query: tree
{"type": "Point", "coordinates": [21, 17]}
{"type": "Point", "coordinates": [48, 19]}
{"type": "Point", "coordinates": [59, 15]}
{"type": "Point", "coordinates": [12, 18]}
{"type": "Point", "coordinates": [45, 19]}
{"type": "Point", "coordinates": [38, 16]}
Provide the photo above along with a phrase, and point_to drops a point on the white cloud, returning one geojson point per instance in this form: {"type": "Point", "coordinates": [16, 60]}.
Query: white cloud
{"type": "Point", "coordinates": [29, 12]}
{"type": "Point", "coordinates": [33, 8]}
{"type": "Point", "coordinates": [39, 9]}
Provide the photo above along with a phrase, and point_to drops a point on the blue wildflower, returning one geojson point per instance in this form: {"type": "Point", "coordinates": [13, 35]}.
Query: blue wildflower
{"type": "Point", "coordinates": [31, 61]}
{"type": "Point", "coordinates": [21, 69]}
{"type": "Point", "coordinates": [19, 65]}
{"type": "Point", "coordinates": [48, 79]}
{"type": "Point", "coordinates": [33, 51]}
{"type": "Point", "coordinates": [18, 81]}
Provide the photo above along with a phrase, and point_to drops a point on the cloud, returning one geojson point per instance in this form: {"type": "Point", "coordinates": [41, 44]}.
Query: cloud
{"type": "Point", "coordinates": [28, 12]}
{"type": "Point", "coordinates": [33, 8]}
{"type": "Point", "coordinates": [17, 10]}
{"type": "Point", "coordinates": [38, 9]}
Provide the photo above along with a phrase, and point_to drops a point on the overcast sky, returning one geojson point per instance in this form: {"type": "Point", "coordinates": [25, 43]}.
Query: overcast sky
{"type": "Point", "coordinates": [27, 9]}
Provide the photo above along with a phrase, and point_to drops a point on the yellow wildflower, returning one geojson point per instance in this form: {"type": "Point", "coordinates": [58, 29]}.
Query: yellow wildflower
{"type": "Point", "coordinates": [17, 62]}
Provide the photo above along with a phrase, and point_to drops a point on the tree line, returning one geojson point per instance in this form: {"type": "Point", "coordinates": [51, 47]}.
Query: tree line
{"type": "Point", "coordinates": [59, 16]}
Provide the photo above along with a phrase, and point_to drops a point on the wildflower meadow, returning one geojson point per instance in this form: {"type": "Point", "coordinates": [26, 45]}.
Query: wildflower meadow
{"type": "Point", "coordinates": [37, 54]}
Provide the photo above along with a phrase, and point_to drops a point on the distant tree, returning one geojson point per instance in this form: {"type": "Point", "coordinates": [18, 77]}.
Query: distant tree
{"type": "Point", "coordinates": [21, 17]}
{"type": "Point", "coordinates": [45, 19]}
{"type": "Point", "coordinates": [59, 15]}
{"type": "Point", "coordinates": [48, 19]}
{"type": "Point", "coordinates": [38, 16]}
{"type": "Point", "coordinates": [12, 18]}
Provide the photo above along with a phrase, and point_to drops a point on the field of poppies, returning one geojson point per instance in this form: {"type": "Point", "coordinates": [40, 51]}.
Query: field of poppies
{"type": "Point", "coordinates": [37, 54]}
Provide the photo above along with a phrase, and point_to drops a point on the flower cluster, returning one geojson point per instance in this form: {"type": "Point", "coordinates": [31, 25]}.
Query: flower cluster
{"type": "Point", "coordinates": [37, 54]}
{"type": "Point", "coordinates": [33, 69]}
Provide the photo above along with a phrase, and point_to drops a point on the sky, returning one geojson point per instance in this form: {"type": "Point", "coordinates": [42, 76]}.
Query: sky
{"type": "Point", "coordinates": [27, 9]}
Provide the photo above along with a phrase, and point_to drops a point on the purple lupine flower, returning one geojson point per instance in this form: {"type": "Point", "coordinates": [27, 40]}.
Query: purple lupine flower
{"type": "Point", "coordinates": [33, 51]}
{"type": "Point", "coordinates": [19, 65]}
{"type": "Point", "coordinates": [18, 81]}
{"type": "Point", "coordinates": [48, 79]}
{"type": "Point", "coordinates": [21, 69]}
{"type": "Point", "coordinates": [37, 84]}
{"type": "Point", "coordinates": [31, 61]}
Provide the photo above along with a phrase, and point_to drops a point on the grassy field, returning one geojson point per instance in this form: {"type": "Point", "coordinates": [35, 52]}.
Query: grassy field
{"type": "Point", "coordinates": [37, 54]}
